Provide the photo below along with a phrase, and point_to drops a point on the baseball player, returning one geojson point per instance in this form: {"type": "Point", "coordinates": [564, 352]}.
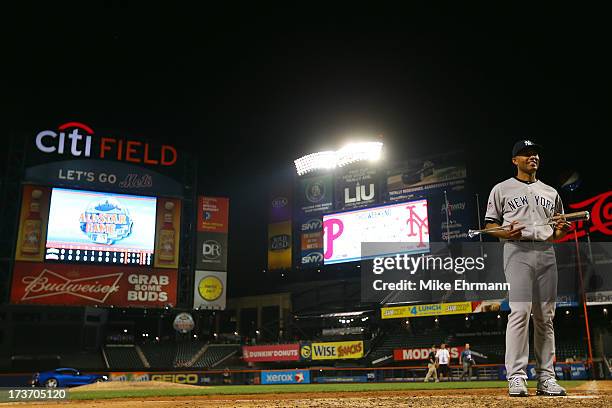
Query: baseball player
{"type": "Point", "coordinates": [523, 203]}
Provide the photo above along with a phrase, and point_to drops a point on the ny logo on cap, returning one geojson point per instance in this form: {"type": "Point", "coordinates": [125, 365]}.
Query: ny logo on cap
{"type": "Point", "coordinates": [528, 142]}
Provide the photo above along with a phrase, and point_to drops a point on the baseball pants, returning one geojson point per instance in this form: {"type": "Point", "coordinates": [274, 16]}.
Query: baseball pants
{"type": "Point", "coordinates": [431, 371]}
{"type": "Point", "coordinates": [531, 271]}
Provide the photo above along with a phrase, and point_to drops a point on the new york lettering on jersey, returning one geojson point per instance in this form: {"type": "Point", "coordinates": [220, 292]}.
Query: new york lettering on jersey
{"type": "Point", "coordinates": [527, 204]}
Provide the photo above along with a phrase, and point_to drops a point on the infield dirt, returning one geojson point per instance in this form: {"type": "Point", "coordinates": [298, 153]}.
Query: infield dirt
{"type": "Point", "coordinates": [590, 394]}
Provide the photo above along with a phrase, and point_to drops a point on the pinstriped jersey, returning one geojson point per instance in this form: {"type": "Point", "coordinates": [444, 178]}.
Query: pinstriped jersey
{"type": "Point", "coordinates": [527, 203]}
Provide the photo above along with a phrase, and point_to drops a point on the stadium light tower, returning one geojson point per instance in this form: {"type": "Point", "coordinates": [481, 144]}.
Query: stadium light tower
{"type": "Point", "coordinates": [329, 159]}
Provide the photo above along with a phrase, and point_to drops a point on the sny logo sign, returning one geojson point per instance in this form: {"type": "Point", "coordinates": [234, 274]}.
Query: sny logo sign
{"type": "Point", "coordinates": [312, 225]}
{"type": "Point", "coordinates": [313, 257]}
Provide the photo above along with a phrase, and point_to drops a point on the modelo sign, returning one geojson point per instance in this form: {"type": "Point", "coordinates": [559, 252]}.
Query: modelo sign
{"type": "Point", "coordinates": [416, 354]}
{"type": "Point", "coordinates": [343, 233]}
{"type": "Point", "coordinates": [276, 352]}
{"type": "Point", "coordinates": [285, 377]}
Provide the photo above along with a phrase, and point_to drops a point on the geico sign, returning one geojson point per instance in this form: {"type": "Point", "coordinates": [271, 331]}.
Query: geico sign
{"type": "Point", "coordinates": [176, 378]}
{"type": "Point", "coordinates": [76, 139]}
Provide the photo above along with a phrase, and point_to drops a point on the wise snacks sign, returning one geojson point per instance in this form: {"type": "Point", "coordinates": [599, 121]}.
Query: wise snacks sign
{"type": "Point", "coordinates": [332, 350]}
{"type": "Point", "coordinates": [276, 352]}
{"type": "Point", "coordinates": [87, 285]}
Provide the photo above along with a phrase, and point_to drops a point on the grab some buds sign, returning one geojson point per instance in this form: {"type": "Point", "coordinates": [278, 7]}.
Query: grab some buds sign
{"type": "Point", "coordinates": [87, 285]}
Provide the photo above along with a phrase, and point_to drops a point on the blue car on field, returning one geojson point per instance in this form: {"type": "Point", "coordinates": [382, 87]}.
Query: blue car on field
{"type": "Point", "coordinates": [65, 377]}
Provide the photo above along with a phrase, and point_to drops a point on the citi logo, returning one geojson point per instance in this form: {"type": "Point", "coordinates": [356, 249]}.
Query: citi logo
{"type": "Point", "coordinates": [76, 139]}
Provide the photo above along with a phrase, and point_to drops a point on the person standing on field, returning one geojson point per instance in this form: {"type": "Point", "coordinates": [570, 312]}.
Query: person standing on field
{"type": "Point", "coordinates": [431, 365]}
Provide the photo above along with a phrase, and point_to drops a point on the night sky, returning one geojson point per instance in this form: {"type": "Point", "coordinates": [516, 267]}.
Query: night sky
{"type": "Point", "coordinates": [250, 90]}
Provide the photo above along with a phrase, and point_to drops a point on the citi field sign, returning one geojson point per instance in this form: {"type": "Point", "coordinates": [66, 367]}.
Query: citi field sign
{"type": "Point", "coordinates": [75, 156]}
{"type": "Point", "coordinates": [77, 140]}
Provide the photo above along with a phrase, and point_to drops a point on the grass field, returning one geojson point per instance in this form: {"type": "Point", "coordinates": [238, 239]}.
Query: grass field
{"type": "Point", "coordinates": [293, 388]}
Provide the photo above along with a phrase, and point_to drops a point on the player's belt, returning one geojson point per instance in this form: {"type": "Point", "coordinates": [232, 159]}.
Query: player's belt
{"type": "Point", "coordinates": [529, 240]}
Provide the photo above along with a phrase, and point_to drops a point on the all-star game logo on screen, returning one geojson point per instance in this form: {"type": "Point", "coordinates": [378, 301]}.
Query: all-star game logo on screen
{"type": "Point", "coordinates": [106, 221]}
{"type": "Point", "coordinates": [95, 227]}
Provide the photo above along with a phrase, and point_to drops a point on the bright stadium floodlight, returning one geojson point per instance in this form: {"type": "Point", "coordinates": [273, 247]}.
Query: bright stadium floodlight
{"type": "Point", "coordinates": [315, 161]}
{"type": "Point", "coordinates": [350, 153]}
{"type": "Point", "coordinates": [354, 152]}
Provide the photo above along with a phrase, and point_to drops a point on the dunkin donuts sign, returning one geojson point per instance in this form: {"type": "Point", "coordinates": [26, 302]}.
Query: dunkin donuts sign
{"type": "Point", "coordinates": [86, 285]}
{"type": "Point", "coordinates": [276, 352]}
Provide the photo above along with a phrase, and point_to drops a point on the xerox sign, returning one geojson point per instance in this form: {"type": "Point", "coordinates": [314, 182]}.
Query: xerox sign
{"type": "Point", "coordinates": [285, 377]}
{"type": "Point", "coordinates": [87, 285]}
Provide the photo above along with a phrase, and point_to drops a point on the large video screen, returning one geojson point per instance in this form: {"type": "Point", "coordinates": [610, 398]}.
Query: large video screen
{"type": "Point", "coordinates": [343, 233]}
{"type": "Point", "coordinates": [95, 227]}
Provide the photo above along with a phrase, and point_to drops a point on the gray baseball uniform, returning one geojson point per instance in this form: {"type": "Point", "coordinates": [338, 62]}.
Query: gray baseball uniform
{"type": "Point", "coordinates": [531, 270]}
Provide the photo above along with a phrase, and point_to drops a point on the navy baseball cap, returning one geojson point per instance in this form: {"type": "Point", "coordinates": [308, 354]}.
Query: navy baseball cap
{"type": "Point", "coordinates": [525, 144]}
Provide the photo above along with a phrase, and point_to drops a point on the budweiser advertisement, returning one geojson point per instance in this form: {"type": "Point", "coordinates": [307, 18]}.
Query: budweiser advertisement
{"type": "Point", "coordinates": [276, 352]}
{"type": "Point", "coordinates": [86, 285]}
{"type": "Point", "coordinates": [416, 354]}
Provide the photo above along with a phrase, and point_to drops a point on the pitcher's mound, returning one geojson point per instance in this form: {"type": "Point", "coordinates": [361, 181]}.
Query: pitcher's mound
{"type": "Point", "coordinates": [129, 385]}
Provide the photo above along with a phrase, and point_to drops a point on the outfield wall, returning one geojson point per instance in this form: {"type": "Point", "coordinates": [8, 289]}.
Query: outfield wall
{"type": "Point", "coordinates": [565, 371]}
